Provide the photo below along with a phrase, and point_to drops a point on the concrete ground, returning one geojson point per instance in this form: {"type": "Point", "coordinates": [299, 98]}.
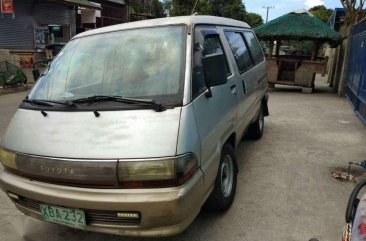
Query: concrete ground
{"type": "Point", "coordinates": [284, 192]}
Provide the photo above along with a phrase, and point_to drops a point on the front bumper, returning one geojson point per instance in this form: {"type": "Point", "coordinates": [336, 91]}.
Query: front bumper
{"type": "Point", "coordinates": [164, 211]}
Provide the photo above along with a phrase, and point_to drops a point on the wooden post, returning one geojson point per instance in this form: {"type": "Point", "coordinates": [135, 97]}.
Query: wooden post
{"type": "Point", "coordinates": [315, 50]}
{"type": "Point", "coordinates": [270, 48]}
{"type": "Point", "coordinates": [278, 47]}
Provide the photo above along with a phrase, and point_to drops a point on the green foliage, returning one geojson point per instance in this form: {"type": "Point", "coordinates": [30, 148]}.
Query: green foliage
{"type": "Point", "coordinates": [254, 19]}
{"type": "Point", "coordinates": [167, 6]}
{"type": "Point", "coordinates": [234, 9]}
{"type": "Point", "coordinates": [321, 12]}
{"type": "Point", "coordinates": [225, 8]}
{"type": "Point", "coordinates": [155, 8]}
{"type": "Point", "coordinates": [182, 7]}
{"type": "Point", "coordinates": [137, 7]}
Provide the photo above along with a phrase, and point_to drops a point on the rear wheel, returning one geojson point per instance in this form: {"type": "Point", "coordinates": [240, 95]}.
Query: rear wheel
{"type": "Point", "coordinates": [255, 130]}
{"type": "Point", "coordinates": [223, 194]}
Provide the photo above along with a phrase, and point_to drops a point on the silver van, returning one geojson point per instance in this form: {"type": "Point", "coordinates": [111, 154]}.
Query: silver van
{"type": "Point", "coordinates": [132, 128]}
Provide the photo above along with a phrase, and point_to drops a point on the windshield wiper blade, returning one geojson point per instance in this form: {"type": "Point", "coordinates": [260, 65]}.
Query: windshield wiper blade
{"type": "Point", "coordinates": [48, 102]}
{"type": "Point", "coordinates": [96, 98]}
{"type": "Point", "coordinates": [37, 102]}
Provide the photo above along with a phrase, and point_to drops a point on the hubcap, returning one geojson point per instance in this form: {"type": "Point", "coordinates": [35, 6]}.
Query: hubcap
{"type": "Point", "coordinates": [227, 175]}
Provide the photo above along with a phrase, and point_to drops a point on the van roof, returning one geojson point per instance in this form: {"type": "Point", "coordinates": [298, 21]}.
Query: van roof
{"type": "Point", "coordinates": [187, 20]}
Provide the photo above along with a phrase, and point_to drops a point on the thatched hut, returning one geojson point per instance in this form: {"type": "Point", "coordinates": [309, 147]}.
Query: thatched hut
{"type": "Point", "coordinates": [297, 70]}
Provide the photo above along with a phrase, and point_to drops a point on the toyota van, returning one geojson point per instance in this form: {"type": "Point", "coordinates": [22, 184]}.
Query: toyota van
{"type": "Point", "coordinates": [132, 128]}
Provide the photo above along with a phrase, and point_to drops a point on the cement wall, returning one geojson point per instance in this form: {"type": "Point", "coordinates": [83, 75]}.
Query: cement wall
{"type": "Point", "coordinates": [8, 55]}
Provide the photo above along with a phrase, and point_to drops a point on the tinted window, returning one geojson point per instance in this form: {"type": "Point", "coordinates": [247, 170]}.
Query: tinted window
{"type": "Point", "coordinates": [204, 46]}
{"type": "Point", "coordinates": [240, 50]}
{"type": "Point", "coordinates": [254, 47]}
{"type": "Point", "coordinates": [212, 45]}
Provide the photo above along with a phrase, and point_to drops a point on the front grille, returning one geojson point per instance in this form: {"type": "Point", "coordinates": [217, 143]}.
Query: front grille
{"type": "Point", "coordinates": [91, 216]}
{"type": "Point", "coordinates": [68, 172]}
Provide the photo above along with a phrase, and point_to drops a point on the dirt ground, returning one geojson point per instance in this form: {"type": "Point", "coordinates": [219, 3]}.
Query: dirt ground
{"type": "Point", "coordinates": [284, 192]}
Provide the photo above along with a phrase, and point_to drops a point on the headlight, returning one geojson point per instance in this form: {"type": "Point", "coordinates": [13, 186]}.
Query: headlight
{"type": "Point", "coordinates": [157, 173]}
{"type": "Point", "coordinates": [146, 170]}
{"type": "Point", "coordinates": [7, 158]}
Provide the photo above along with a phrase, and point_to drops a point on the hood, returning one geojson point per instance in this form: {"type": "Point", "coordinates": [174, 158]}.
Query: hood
{"type": "Point", "coordinates": [113, 135]}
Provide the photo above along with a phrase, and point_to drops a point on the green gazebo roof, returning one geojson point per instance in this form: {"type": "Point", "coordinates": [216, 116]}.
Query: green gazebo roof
{"type": "Point", "coordinates": [298, 25]}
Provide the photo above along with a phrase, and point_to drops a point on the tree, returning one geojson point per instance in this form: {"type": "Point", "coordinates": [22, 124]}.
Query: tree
{"type": "Point", "coordinates": [157, 9]}
{"type": "Point", "coordinates": [168, 7]}
{"type": "Point", "coordinates": [152, 8]}
{"type": "Point", "coordinates": [354, 10]}
{"type": "Point", "coordinates": [225, 8]}
{"type": "Point", "coordinates": [137, 7]}
{"type": "Point", "coordinates": [253, 19]}
{"type": "Point", "coordinates": [321, 12]}
{"type": "Point", "coordinates": [234, 9]}
{"type": "Point", "coordinates": [182, 7]}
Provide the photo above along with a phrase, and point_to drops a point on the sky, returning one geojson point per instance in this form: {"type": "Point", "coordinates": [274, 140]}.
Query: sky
{"type": "Point", "coordinates": [282, 7]}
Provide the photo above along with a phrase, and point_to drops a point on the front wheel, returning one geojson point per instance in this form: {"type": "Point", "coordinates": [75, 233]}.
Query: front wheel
{"type": "Point", "coordinates": [223, 194]}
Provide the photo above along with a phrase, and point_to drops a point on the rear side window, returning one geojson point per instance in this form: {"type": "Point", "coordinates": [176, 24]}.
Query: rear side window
{"type": "Point", "coordinates": [240, 50]}
{"type": "Point", "coordinates": [254, 47]}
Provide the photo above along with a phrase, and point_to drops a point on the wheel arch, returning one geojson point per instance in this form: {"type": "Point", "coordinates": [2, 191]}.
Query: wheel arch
{"type": "Point", "coordinates": [232, 141]}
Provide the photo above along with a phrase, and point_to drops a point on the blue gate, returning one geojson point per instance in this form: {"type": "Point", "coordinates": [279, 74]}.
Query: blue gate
{"type": "Point", "coordinates": [356, 77]}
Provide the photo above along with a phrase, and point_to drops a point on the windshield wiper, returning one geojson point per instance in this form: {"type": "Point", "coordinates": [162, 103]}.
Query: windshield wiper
{"type": "Point", "coordinates": [48, 102]}
{"type": "Point", "coordinates": [98, 98]}
{"type": "Point", "coordinates": [37, 102]}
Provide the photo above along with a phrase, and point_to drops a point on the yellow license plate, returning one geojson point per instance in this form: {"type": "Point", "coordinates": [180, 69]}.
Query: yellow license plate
{"type": "Point", "coordinates": [71, 217]}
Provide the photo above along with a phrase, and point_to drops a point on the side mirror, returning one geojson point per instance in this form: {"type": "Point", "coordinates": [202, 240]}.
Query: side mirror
{"type": "Point", "coordinates": [36, 74]}
{"type": "Point", "coordinates": [214, 69]}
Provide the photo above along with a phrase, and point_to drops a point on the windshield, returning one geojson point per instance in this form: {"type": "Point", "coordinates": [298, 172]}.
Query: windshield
{"type": "Point", "coordinates": [138, 63]}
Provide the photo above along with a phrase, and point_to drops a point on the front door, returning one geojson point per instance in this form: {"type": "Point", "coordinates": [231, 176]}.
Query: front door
{"type": "Point", "coordinates": [215, 109]}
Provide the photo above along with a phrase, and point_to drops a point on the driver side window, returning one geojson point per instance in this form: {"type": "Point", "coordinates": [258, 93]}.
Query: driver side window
{"type": "Point", "coordinates": [204, 46]}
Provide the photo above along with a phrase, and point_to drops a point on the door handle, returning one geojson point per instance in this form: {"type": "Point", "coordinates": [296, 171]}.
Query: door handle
{"type": "Point", "coordinates": [233, 89]}
{"type": "Point", "coordinates": [244, 87]}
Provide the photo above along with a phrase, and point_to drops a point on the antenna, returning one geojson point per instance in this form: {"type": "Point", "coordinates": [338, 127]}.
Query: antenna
{"type": "Point", "coordinates": [194, 8]}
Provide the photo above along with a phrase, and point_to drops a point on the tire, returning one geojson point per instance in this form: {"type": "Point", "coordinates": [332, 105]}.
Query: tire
{"type": "Point", "coordinates": [223, 194]}
{"type": "Point", "coordinates": [255, 131]}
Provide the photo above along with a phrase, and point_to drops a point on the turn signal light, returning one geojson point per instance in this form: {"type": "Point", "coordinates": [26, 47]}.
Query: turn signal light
{"type": "Point", "coordinates": [7, 158]}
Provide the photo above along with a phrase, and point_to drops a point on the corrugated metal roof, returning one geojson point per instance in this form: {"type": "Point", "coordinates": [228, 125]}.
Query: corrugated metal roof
{"type": "Point", "coordinates": [16, 32]}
